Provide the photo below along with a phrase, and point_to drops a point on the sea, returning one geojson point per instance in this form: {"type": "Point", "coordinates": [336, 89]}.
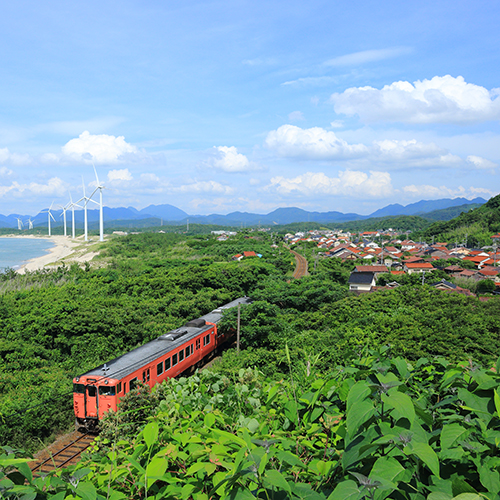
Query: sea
{"type": "Point", "coordinates": [14, 252]}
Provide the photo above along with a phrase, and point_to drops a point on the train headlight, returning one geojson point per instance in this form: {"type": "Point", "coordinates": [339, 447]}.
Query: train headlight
{"type": "Point", "coordinates": [77, 379]}
{"type": "Point", "coordinates": [105, 381]}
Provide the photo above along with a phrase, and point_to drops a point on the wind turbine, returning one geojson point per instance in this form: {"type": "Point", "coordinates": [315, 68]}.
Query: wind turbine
{"type": "Point", "coordinates": [99, 187]}
{"type": "Point", "coordinates": [72, 207]}
{"type": "Point", "coordinates": [64, 209]}
{"type": "Point", "coordinates": [85, 200]}
{"type": "Point", "coordinates": [19, 223]}
{"type": "Point", "coordinates": [30, 222]}
{"type": "Point", "coordinates": [49, 215]}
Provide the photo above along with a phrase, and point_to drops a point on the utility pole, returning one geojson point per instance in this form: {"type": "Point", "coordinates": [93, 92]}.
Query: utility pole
{"type": "Point", "coordinates": [238, 332]}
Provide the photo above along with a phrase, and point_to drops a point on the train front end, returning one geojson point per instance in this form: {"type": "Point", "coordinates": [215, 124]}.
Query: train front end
{"type": "Point", "coordinates": [92, 398]}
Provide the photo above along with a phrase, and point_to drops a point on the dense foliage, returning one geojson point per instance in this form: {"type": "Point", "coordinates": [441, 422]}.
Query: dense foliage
{"type": "Point", "coordinates": [376, 428]}
{"type": "Point", "coordinates": [475, 226]}
{"type": "Point", "coordinates": [55, 325]}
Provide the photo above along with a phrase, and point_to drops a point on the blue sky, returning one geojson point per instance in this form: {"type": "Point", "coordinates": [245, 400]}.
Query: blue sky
{"type": "Point", "coordinates": [221, 106]}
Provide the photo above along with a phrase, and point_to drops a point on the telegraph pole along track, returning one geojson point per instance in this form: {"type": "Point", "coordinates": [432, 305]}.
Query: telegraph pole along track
{"type": "Point", "coordinates": [68, 455]}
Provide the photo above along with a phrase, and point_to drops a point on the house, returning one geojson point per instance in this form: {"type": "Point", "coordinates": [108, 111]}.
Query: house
{"type": "Point", "coordinates": [421, 267]}
{"type": "Point", "coordinates": [446, 286]}
{"type": "Point", "coordinates": [377, 270]}
{"type": "Point", "coordinates": [361, 282]}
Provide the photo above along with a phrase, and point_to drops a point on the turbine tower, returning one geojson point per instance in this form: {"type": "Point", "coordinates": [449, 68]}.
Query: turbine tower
{"type": "Point", "coordinates": [64, 209]}
{"type": "Point", "coordinates": [30, 222]}
{"type": "Point", "coordinates": [49, 215]}
{"type": "Point", "coordinates": [99, 187]}
{"type": "Point", "coordinates": [19, 223]}
{"type": "Point", "coordinates": [85, 200]}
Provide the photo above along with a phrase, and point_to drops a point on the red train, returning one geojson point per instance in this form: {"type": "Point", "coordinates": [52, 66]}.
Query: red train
{"type": "Point", "coordinates": [171, 354]}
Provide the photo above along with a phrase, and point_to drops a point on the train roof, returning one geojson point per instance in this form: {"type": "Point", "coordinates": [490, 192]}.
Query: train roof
{"type": "Point", "coordinates": [140, 356]}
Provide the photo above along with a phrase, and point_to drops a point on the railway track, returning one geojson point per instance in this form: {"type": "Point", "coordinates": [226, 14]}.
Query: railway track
{"type": "Point", "coordinates": [66, 456]}
{"type": "Point", "coordinates": [301, 267]}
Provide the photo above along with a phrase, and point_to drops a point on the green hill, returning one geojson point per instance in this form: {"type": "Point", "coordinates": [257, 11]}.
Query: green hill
{"type": "Point", "coordinates": [474, 227]}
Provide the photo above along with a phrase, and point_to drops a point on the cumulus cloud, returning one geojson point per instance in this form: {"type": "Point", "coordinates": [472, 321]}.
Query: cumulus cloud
{"type": "Point", "coordinates": [481, 163]}
{"type": "Point", "coordinates": [348, 183]}
{"type": "Point", "coordinates": [428, 191]}
{"type": "Point", "coordinates": [54, 187]}
{"type": "Point", "coordinates": [413, 154]}
{"type": "Point", "coordinates": [312, 144]}
{"type": "Point", "coordinates": [99, 148]}
{"type": "Point", "coordinates": [227, 159]}
{"type": "Point", "coordinates": [367, 56]}
{"type": "Point", "coordinates": [6, 157]}
{"type": "Point", "coordinates": [119, 175]}
{"type": "Point", "coordinates": [439, 100]}
{"type": "Point", "coordinates": [205, 187]}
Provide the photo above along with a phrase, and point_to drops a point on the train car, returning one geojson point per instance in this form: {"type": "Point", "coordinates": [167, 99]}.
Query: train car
{"type": "Point", "coordinates": [176, 352]}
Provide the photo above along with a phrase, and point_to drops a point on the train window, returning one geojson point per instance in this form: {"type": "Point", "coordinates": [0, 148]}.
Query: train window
{"type": "Point", "coordinates": [105, 390]}
{"type": "Point", "coordinates": [144, 376]}
{"type": "Point", "coordinates": [181, 355]}
{"type": "Point", "coordinates": [91, 391]}
{"type": "Point", "coordinates": [206, 340]}
{"type": "Point", "coordinates": [188, 350]}
{"type": "Point", "coordinates": [147, 375]}
{"type": "Point", "coordinates": [124, 387]}
{"type": "Point", "coordinates": [79, 388]}
{"type": "Point", "coordinates": [197, 344]}
{"type": "Point", "coordinates": [174, 359]}
{"type": "Point", "coordinates": [167, 364]}
{"type": "Point", "coordinates": [133, 383]}
{"type": "Point", "coordinates": [159, 369]}
{"type": "Point", "coordinates": [119, 388]}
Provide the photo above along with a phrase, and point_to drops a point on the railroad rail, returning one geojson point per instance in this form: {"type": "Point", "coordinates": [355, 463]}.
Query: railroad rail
{"type": "Point", "coordinates": [66, 456]}
{"type": "Point", "coordinates": [301, 267]}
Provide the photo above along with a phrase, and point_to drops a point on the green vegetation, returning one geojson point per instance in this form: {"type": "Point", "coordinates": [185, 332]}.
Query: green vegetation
{"type": "Point", "coordinates": [376, 428]}
{"type": "Point", "coordinates": [315, 406]}
{"type": "Point", "coordinates": [476, 226]}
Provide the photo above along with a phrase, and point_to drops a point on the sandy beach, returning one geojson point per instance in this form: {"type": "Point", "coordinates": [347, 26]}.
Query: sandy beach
{"type": "Point", "coordinates": [64, 250]}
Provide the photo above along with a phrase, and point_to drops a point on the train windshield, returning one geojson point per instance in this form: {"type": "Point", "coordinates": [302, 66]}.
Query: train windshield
{"type": "Point", "coordinates": [107, 390]}
{"type": "Point", "coordinates": [79, 388]}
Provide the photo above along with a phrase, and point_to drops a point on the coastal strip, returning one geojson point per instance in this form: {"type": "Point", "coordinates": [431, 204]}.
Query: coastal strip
{"type": "Point", "coordinates": [64, 248]}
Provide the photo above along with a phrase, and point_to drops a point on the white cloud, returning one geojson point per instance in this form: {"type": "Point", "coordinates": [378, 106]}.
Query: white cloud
{"type": "Point", "coordinates": [228, 159]}
{"type": "Point", "coordinates": [348, 183]}
{"type": "Point", "coordinates": [312, 144]}
{"type": "Point", "coordinates": [54, 187]}
{"type": "Point", "coordinates": [428, 191]}
{"type": "Point", "coordinates": [254, 182]}
{"type": "Point", "coordinates": [100, 148]}
{"type": "Point", "coordinates": [119, 175]}
{"type": "Point", "coordinates": [367, 56]}
{"type": "Point", "coordinates": [481, 163]}
{"type": "Point", "coordinates": [150, 178]}
{"type": "Point", "coordinates": [337, 124]}
{"type": "Point", "coordinates": [413, 154]}
{"type": "Point", "coordinates": [439, 100]}
{"type": "Point", "coordinates": [296, 116]}
{"type": "Point", "coordinates": [5, 172]}
{"type": "Point", "coordinates": [205, 187]}
{"type": "Point", "coordinates": [6, 157]}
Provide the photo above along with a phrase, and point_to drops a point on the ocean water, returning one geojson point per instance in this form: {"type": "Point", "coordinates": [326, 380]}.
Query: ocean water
{"type": "Point", "coordinates": [14, 252]}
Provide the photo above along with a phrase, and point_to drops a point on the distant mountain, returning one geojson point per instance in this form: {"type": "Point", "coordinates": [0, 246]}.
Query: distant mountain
{"type": "Point", "coordinates": [424, 206]}
{"type": "Point", "coordinates": [449, 213]}
{"type": "Point", "coordinates": [281, 216]}
{"type": "Point", "coordinates": [165, 212]}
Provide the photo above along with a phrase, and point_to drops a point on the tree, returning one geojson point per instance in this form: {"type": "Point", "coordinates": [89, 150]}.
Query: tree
{"type": "Point", "coordinates": [485, 286]}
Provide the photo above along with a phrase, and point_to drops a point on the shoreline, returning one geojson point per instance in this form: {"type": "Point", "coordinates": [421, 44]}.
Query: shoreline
{"type": "Point", "coordinates": [63, 248]}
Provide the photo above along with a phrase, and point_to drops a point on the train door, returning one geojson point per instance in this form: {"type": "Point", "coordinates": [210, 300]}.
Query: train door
{"type": "Point", "coordinates": [91, 402]}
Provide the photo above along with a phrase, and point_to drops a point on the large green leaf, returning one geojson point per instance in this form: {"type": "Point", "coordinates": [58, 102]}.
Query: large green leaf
{"type": "Point", "coordinates": [402, 404]}
{"type": "Point", "coordinates": [451, 433]}
{"type": "Point", "coordinates": [276, 480]}
{"type": "Point", "coordinates": [357, 393]}
{"type": "Point", "coordinates": [358, 415]}
{"type": "Point", "coordinates": [155, 470]}
{"type": "Point", "coordinates": [150, 433]}
{"type": "Point", "coordinates": [346, 490]}
{"type": "Point", "coordinates": [426, 454]}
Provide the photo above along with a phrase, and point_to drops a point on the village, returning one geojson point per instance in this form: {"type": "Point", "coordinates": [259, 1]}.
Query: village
{"type": "Point", "coordinates": [375, 253]}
